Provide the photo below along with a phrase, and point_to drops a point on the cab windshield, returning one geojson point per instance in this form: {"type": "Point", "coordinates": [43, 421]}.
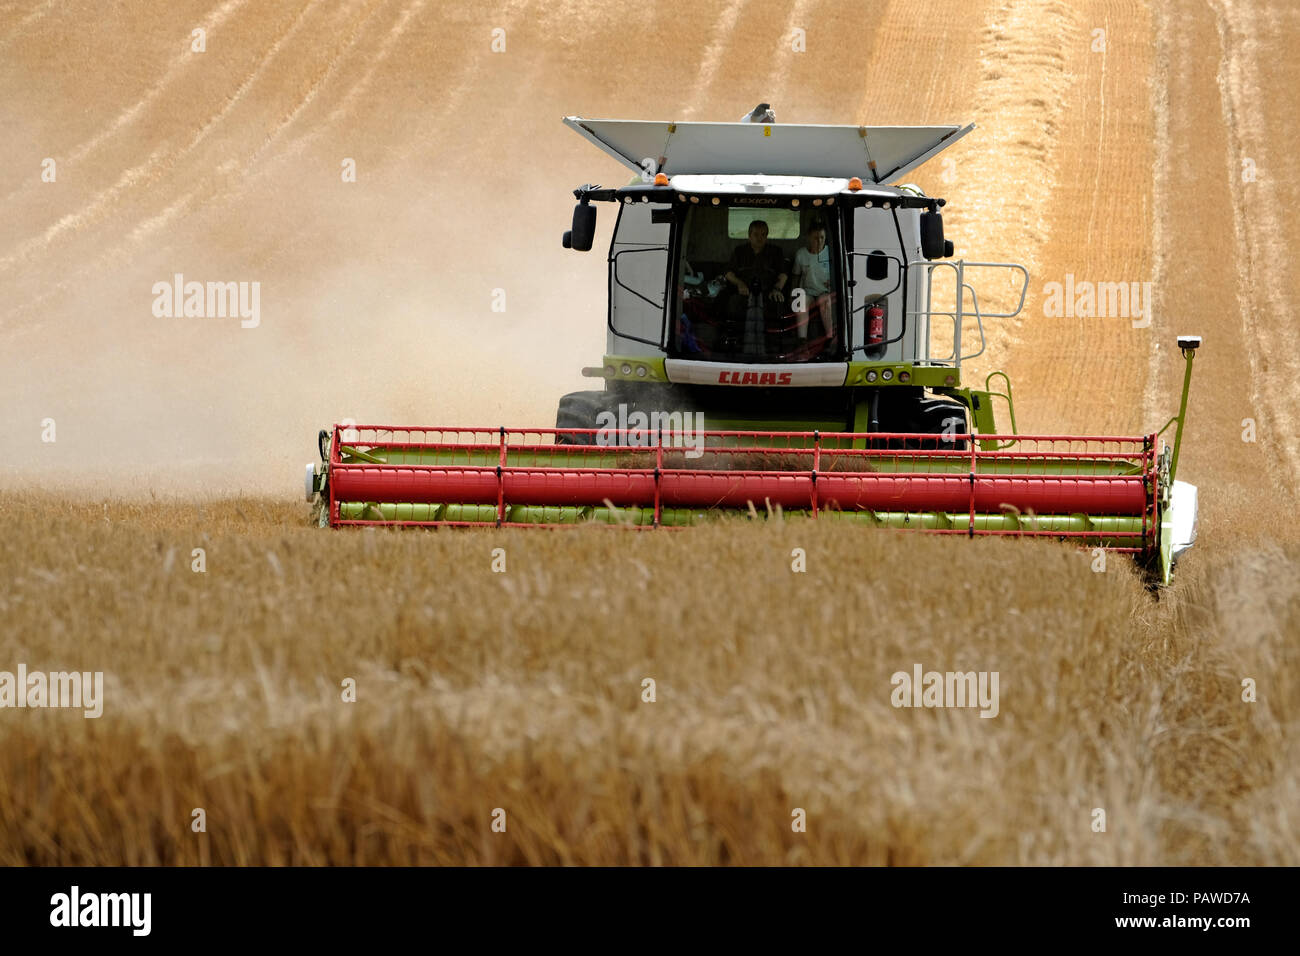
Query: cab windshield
{"type": "Point", "coordinates": [758, 284]}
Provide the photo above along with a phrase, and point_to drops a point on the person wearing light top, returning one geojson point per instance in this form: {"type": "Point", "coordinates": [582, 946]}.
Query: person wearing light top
{"type": "Point", "coordinates": [812, 273]}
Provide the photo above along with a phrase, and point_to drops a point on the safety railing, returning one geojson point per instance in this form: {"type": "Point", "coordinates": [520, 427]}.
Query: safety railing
{"type": "Point", "coordinates": [965, 306]}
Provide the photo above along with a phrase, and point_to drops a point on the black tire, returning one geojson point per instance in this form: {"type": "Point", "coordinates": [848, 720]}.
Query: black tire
{"type": "Point", "coordinates": [579, 410]}
{"type": "Point", "coordinates": [915, 413]}
{"type": "Point", "coordinates": [941, 416]}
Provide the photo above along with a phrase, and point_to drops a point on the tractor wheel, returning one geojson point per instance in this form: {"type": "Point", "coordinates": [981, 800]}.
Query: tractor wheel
{"type": "Point", "coordinates": [579, 410]}
{"type": "Point", "coordinates": [915, 414]}
{"type": "Point", "coordinates": [943, 417]}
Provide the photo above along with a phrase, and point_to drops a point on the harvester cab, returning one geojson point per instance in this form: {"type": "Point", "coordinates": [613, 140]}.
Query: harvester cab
{"type": "Point", "coordinates": [770, 277]}
{"type": "Point", "coordinates": [786, 329]}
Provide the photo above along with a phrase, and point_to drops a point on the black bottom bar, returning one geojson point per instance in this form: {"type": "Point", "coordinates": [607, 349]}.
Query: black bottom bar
{"type": "Point", "coordinates": [808, 907]}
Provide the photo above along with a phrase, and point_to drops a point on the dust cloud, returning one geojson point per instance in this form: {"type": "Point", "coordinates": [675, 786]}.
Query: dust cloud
{"type": "Point", "coordinates": [228, 165]}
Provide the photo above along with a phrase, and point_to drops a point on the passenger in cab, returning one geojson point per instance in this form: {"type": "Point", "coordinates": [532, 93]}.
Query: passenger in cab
{"type": "Point", "coordinates": [812, 274]}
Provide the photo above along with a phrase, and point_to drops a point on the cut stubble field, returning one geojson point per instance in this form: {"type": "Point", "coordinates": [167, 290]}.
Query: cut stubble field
{"type": "Point", "coordinates": [478, 691]}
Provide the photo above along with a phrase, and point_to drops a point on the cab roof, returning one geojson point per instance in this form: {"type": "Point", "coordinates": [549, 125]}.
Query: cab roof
{"type": "Point", "coordinates": [876, 154]}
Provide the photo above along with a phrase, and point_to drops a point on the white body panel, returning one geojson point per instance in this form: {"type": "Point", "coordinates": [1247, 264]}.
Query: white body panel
{"type": "Point", "coordinates": [690, 372]}
{"type": "Point", "coordinates": [772, 185]}
{"type": "Point", "coordinates": [1183, 512]}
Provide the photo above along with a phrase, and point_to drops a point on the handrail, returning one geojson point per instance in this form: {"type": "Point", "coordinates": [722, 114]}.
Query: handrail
{"type": "Point", "coordinates": [979, 322]}
{"type": "Point", "coordinates": [959, 313]}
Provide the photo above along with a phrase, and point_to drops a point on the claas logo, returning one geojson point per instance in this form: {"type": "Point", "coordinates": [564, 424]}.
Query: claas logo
{"type": "Point", "coordinates": [755, 378]}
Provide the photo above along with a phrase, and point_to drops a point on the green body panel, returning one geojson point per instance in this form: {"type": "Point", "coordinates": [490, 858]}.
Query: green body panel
{"type": "Point", "coordinates": [928, 376]}
{"type": "Point", "coordinates": [641, 368]}
{"type": "Point", "coordinates": [941, 380]}
{"type": "Point", "coordinates": [681, 517]}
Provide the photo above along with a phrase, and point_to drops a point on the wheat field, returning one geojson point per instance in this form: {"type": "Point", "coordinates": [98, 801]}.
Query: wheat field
{"type": "Point", "coordinates": [373, 697]}
{"type": "Point", "coordinates": [522, 690]}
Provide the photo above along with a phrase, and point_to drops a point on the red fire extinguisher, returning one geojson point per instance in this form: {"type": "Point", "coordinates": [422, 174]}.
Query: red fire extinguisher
{"type": "Point", "coordinates": [876, 326]}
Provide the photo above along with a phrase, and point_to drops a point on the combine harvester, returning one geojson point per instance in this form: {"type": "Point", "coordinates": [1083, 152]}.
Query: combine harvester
{"type": "Point", "coordinates": [786, 332]}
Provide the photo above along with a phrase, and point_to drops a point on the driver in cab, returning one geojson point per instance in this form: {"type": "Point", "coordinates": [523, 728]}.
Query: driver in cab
{"type": "Point", "coordinates": [756, 268]}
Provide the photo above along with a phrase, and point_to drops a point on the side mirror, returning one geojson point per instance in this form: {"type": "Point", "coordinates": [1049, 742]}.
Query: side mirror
{"type": "Point", "coordinates": [933, 245]}
{"type": "Point", "coordinates": [567, 239]}
{"type": "Point", "coordinates": [877, 266]}
{"type": "Point", "coordinates": [583, 233]}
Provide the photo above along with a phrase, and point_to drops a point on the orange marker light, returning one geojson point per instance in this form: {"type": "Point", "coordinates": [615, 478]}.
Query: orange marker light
{"type": "Point", "coordinates": [855, 184]}
{"type": "Point", "coordinates": [661, 179]}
